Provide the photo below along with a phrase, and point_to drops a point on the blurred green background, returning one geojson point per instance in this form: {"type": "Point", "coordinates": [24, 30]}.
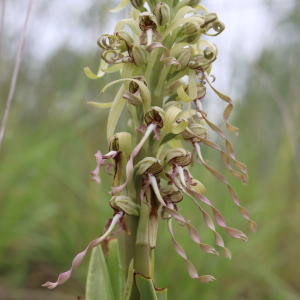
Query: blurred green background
{"type": "Point", "coordinates": [49, 208]}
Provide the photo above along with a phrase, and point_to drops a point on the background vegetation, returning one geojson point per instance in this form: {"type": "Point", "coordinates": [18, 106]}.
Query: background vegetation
{"type": "Point", "coordinates": [50, 210]}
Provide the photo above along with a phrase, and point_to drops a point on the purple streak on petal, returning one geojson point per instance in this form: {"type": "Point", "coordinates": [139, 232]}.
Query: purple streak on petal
{"type": "Point", "coordinates": [188, 177]}
{"type": "Point", "coordinates": [157, 134]}
{"type": "Point", "coordinates": [108, 167]}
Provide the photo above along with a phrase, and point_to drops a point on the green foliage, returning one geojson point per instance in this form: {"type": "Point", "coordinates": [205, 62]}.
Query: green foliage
{"type": "Point", "coordinates": [98, 285]}
{"type": "Point", "coordinates": [115, 269]}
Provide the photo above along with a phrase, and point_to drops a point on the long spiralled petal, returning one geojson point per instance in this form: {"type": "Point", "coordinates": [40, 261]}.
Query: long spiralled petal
{"type": "Point", "coordinates": [208, 221]}
{"type": "Point", "coordinates": [228, 108]}
{"type": "Point", "coordinates": [191, 269]}
{"type": "Point", "coordinates": [229, 148]}
{"type": "Point", "coordinates": [233, 194]}
{"type": "Point", "coordinates": [192, 230]}
{"type": "Point", "coordinates": [63, 277]}
{"type": "Point", "coordinates": [226, 160]}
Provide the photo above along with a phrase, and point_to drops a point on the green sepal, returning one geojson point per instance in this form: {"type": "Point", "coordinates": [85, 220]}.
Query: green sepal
{"type": "Point", "coordinates": [129, 281]}
{"type": "Point", "coordinates": [98, 285]}
{"type": "Point", "coordinates": [161, 294]}
{"type": "Point", "coordinates": [169, 136]}
{"type": "Point", "coordinates": [147, 289]}
{"type": "Point", "coordinates": [115, 269]}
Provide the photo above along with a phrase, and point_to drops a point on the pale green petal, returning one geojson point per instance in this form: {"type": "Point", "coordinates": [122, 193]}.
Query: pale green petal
{"type": "Point", "coordinates": [115, 112]}
{"type": "Point", "coordinates": [91, 75]}
{"type": "Point", "coordinates": [113, 69]}
{"type": "Point", "coordinates": [146, 97]}
{"type": "Point", "coordinates": [101, 105]}
{"type": "Point", "coordinates": [182, 94]}
{"type": "Point", "coordinates": [121, 6]}
{"type": "Point", "coordinates": [131, 23]}
{"type": "Point", "coordinates": [181, 21]}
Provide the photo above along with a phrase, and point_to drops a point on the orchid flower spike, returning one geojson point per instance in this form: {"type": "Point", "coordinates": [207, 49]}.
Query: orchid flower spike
{"type": "Point", "coordinates": [165, 67]}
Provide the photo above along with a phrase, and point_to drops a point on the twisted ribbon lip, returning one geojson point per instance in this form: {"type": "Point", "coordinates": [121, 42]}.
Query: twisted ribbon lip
{"type": "Point", "coordinates": [111, 223]}
{"type": "Point", "coordinates": [100, 159]}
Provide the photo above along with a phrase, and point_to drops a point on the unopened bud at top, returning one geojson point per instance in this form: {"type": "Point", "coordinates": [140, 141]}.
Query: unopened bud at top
{"type": "Point", "coordinates": [124, 203]}
{"type": "Point", "coordinates": [139, 55]}
{"type": "Point", "coordinates": [149, 165]}
{"type": "Point", "coordinates": [162, 13]}
{"type": "Point", "coordinates": [184, 57]}
{"type": "Point", "coordinates": [193, 3]}
{"type": "Point", "coordinates": [137, 3]}
{"type": "Point", "coordinates": [209, 17]}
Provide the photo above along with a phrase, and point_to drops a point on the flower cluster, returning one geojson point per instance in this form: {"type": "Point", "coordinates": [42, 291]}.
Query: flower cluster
{"type": "Point", "coordinates": [167, 120]}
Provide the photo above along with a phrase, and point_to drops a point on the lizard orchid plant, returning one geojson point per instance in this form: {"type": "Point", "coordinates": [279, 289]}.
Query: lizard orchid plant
{"type": "Point", "coordinates": [165, 66]}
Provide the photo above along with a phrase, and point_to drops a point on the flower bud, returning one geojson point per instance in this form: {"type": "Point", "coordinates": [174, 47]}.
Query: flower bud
{"type": "Point", "coordinates": [203, 59]}
{"type": "Point", "coordinates": [147, 21]}
{"type": "Point", "coordinates": [139, 55]}
{"type": "Point", "coordinates": [137, 3]}
{"type": "Point", "coordinates": [189, 28]}
{"type": "Point", "coordinates": [209, 17]}
{"type": "Point", "coordinates": [155, 115]}
{"type": "Point", "coordinates": [199, 187]}
{"type": "Point", "coordinates": [171, 193]}
{"type": "Point", "coordinates": [124, 203]}
{"type": "Point", "coordinates": [179, 156]}
{"type": "Point", "coordinates": [162, 13]}
{"type": "Point", "coordinates": [149, 165]}
{"type": "Point", "coordinates": [184, 57]}
{"type": "Point", "coordinates": [193, 131]}
{"type": "Point", "coordinates": [125, 36]}
{"type": "Point", "coordinates": [193, 3]}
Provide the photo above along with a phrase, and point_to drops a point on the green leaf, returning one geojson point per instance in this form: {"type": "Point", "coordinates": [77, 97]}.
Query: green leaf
{"type": "Point", "coordinates": [169, 136]}
{"type": "Point", "coordinates": [114, 267]}
{"type": "Point", "coordinates": [98, 284]}
{"type": "Point", "coordinates": [128, 286]}
{"type": "Point", "coordinates": [161, 294]}
{"type": "Point", "coordinates": [145, 287]}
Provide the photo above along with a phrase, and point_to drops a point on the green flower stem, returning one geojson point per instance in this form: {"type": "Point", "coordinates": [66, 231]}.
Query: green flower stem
{"type": "Point", "coordinates": [162, 78]}
{"type": "Point", "coordinates": [150, 66]}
